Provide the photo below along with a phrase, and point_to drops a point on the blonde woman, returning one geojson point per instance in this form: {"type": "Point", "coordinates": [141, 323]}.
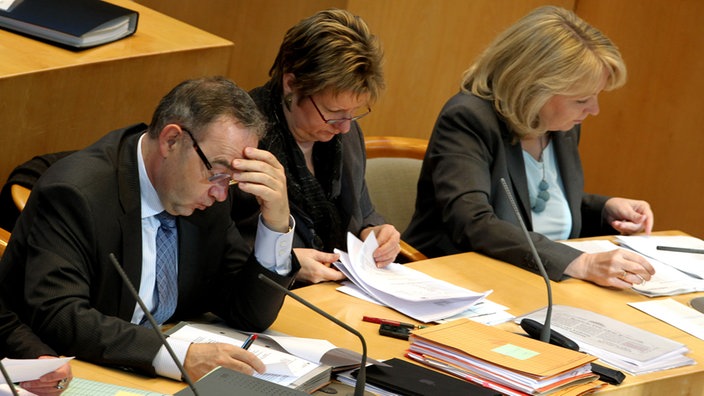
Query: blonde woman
{"type": "Point", "coordinates": [518, 117]}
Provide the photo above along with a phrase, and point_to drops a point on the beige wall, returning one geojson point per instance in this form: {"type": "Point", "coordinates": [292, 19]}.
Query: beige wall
{"type": "Point", "coordinates": [645, 143]}
{"type": "Point", "coordinates": [255, 26]}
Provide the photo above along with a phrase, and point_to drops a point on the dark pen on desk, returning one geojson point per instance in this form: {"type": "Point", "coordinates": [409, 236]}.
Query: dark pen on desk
{"type": "Point", "coordinates": [391, 322]}
{"type": "Point", "coordinates": [249, 341]}
{"type": "Point", "coordinates": [680, 249]}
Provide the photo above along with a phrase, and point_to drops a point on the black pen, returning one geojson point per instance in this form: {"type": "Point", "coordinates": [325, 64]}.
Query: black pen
{"type": "Point", "coordinates": [681, 249]}
{"type": "Point", "coordinates": [249, 341]}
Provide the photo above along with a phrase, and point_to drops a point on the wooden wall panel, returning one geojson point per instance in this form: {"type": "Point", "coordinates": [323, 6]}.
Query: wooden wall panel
{"type": "Point", "coordinates": [53, 99]}
{"type": "Point", "coordinates": [256, 28]}
{"type": "Point", "coordinates": [647, 141]}
{"type": "Point", "coordinates": [428, 44]}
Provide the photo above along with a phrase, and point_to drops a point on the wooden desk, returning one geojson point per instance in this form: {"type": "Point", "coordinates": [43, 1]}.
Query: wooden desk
{"type": "Point", "coordinates": [55, 99]}
{"type": "Point", "coordinates": [518, 289]}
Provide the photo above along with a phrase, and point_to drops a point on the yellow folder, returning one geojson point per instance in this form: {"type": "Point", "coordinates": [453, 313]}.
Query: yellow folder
{"type": "Point", "coordinates": [515, 352]}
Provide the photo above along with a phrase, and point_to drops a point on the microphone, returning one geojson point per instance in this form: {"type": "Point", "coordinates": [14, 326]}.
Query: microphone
{"type": "Point", "coordinates": [362, 374]}
{"type": "Point", "coordinates": [8, 380]}
{"type": "Point", "coordinates": [151, 320]}
{"type": "Point", "coordinates": [534, 328]}
{"type": "Point", "coordinates": [545, 331]}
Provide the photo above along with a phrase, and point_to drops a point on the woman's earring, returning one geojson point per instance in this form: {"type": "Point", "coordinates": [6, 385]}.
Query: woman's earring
{"type": "Point", "coordinates": [288, 99]}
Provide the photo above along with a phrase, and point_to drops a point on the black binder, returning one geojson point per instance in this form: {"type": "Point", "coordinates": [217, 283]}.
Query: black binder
{"type": "Point", "coordinates": [74, 24]}
{"type": "Point", "coordinates": [411, 379]}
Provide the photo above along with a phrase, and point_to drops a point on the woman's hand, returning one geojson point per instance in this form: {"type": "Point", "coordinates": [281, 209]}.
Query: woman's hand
{"type": "Point", "coordinates": [617, 268]}
{"type": "Point", "coordinates": [388, 238]}
{"type": "Point", "coordinates": [316, 266]}
{"type": "Point", "coordinates": [629, 216]}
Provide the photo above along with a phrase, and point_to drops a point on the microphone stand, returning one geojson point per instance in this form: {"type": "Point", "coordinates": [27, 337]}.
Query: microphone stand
{"type": "Point", "coordinates": [545, 332]}
{"type": "Point", "coordinates": [8, 380]}
{"type": "Point", "coordinates": [362, 374]}
{"type": "Point", "coordinates": [155, 325]}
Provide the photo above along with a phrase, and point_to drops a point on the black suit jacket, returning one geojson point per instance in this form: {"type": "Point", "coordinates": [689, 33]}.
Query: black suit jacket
{"type": "Point", "coordinates": [17, 340]}
{"type": "Point", "coordinates": [461, 205]}
{"type": "Point", "coordinates": [87, 206]}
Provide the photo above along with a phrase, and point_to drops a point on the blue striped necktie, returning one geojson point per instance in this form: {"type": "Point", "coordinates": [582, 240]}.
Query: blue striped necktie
{"type": "Point", "coordinates": [166, 293]}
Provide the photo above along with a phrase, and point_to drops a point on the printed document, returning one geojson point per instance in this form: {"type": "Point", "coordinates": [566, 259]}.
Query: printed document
{"type": "Point", "coordinates": [402, 288]}
{"type": "Point", "coordinates": [281, 368]}
{"type": "Point", "coordinates": [619, 344]}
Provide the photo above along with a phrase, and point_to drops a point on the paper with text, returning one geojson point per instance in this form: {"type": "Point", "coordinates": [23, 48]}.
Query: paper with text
{"type": "Point", "coordinates": [402, 288]}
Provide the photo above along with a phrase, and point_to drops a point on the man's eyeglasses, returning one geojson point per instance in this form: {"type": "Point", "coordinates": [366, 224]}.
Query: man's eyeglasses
{"type": "Point", "coordinates": [222, 179]}
{"type": "Point", "coordinates": [333, 121]}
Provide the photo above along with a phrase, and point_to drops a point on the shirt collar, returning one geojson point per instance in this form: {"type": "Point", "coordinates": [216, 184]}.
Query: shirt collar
{"type": "Point", "coordinates": [150, 202]}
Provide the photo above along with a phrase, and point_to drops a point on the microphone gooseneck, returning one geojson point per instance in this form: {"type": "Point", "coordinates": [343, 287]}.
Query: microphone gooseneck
{"type": "Point", "coordinates": [8, 380]}
{"type": "Point", "coordinates": [362, 375]}
{"type": "Point", "coordinates": [545, 332]}
{"type": "Point", "coordinates": [151, 320]}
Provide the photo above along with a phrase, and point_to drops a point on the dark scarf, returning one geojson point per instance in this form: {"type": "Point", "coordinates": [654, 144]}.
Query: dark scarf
{"type": "Point", "coordinates": [314, 199]}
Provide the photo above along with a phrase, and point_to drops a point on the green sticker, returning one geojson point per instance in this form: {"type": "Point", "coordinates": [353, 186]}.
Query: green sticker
{"type": "Point", "coordinates": [515, 352]}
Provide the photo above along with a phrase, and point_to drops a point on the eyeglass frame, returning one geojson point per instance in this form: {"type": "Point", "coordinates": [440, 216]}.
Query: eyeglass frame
{"type": "Point", "coordinates": [335, 121]}
{"type": "Point", "coordinates": [216, 178]}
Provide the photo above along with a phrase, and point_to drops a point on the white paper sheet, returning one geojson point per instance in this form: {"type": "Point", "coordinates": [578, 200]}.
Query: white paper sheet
{"type": "Point", "coordinates": [402, 288]}
{"type": "Point", "coordinates": [21, 370]}
{"type": "Point", "coordinates": [674, 313]}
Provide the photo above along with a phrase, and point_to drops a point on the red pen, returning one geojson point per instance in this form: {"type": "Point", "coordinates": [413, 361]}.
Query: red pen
{"type": "Point", "coordinates": [371, 319]}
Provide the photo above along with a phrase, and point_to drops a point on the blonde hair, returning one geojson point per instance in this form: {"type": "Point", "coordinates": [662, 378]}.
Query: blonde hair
{"type": "Point", "coordinates": [550, 51]}
{"type": "Point", "coordinates": [332, 49]}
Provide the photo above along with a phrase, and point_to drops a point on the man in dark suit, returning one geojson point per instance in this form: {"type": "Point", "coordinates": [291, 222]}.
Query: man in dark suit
{"type": "Point", "coordinates": [108, 198]}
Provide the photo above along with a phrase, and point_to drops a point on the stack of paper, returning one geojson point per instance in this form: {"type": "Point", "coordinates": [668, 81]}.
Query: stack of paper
{"type": "Point", "coordinates": [503, 361]}
{"type": "Point", "coordinates": [619, 344]}
{"type": "Point", "coordinates": [404, 289]}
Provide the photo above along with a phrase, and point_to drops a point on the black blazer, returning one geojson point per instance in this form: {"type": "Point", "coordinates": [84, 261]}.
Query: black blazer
{"type": "Point", "coordinates": [17, 340]}
{"type": "Point", "coordinates": [86, 206]}
{"type": "Point", "coordinates": [462, 207]}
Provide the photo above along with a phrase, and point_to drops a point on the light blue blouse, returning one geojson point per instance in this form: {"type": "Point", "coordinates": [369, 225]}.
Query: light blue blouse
{"type": "Point", "coordinates": [555, 222]}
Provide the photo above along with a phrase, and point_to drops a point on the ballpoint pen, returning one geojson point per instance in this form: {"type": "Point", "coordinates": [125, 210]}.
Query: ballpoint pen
{"type": "Point", "coordinates": [680, 249]}
{"type": "Point", "coordinates": [249, 341]}
{"type": "Point", "coordinates": [371, 319]}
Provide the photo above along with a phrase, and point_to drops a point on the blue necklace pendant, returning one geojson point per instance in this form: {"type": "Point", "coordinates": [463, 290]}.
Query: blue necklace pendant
{"type": "Point", "coordinates": [542, 198]}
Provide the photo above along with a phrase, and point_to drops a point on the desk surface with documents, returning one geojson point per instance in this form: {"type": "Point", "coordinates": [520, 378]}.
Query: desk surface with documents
{"type": "Point", "coordinates": [520, 290]}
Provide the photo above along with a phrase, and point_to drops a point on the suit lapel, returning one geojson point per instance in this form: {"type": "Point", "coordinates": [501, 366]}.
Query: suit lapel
{"type": "Point", "coordinates": [569, 164]}
{"type": "Point", "coordinates": [131, 219]}
{"type": "Point", "coordinates": [519, 182]}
